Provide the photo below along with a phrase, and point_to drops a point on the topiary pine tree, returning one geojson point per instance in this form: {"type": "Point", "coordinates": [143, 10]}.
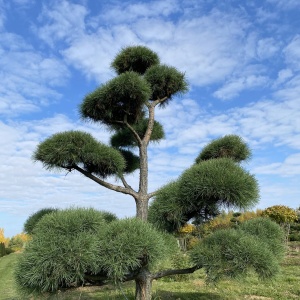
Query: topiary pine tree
{"type": "Point", "coordinates": [126, 105]}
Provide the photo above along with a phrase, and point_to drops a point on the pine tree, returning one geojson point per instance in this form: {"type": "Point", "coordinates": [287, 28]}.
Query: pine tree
{"type": "Point", "coordinates": [126, 105]}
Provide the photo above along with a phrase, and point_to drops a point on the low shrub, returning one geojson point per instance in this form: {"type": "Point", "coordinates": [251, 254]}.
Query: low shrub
{"type": "Point", "coordinates": [294, 237]}
{"type": "Point", "coordinates": [2, 249]}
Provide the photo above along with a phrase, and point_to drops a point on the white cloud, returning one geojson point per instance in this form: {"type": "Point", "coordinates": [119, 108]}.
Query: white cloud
{"type": "Point", "coordinates": [214, 41]}
{"type": "Point", "coordinates": [62, 21]}
{"type": "Point", "coordinates": [27, 77]}
{"type": "Point", "coordinates": [289, 167]}
{"type": "Point", "coordinates": [233, 87]}
{"type": "Point", "coordinates": [216, 47]}
{"type": "Point", "coordinates": [267, 47]}
{"type": "Point", "coordinates": [286, 4]}
{"type": "Point", "coordinates": [278, 192]}
{"type": "Point", "coordinates": [264, 15]}
{"type": "Point", "coordinates": [292, 53]}
{"type": "Point", "coordinates": [126, 12]}
{"type": "Point", "coordinates": [283, 76]}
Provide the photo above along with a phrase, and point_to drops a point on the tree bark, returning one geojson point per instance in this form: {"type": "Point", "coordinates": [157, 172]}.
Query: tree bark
{"type": "Point", "coordinates": [142, 199]}
{"type": "Point", "coordinates": [143, 285]}
{"type": "Point", "coordinates": [142, 208]}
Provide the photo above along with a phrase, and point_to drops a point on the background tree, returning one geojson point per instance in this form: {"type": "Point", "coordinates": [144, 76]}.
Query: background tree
{"type": "Point", "coordinates": [3, 239]}
{"type": "Point", "coordinates": [283, 215]}
{"type": "Point", "coordinates": [126, 105]}
{"type": "Point", "coordinates": [227, 220]}
{"type": "Point", "coordinates": [18, 241]}
{"type": "Point", "coordinates": [3, 242]}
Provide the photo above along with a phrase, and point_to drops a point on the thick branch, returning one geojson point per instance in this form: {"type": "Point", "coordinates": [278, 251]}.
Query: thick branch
{"type": "Point", "coordinates": [158, 101]}
{"type": "Point", "coordinates": [151, 107]}
{"type": "Point", "coordinates": [175, 272]}
{"type": "Point", "coordinates": [117, 188]}
{"type": "Point", "coordinates": [150, 195]}
{"type": "Point", "coordinates": [100, 278]}
{"type": "Point", "coordinates": [149, 130]}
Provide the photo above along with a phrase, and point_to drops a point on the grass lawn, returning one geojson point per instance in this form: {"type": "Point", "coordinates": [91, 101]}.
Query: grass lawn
{"type": "Point", "coordinates": [7, 288]}
{"type": "Point", "coordinates": [285, 286]}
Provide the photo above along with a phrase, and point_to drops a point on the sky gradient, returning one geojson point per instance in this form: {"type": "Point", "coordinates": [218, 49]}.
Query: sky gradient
{"type": "Point", "coordinates": [241, 59]}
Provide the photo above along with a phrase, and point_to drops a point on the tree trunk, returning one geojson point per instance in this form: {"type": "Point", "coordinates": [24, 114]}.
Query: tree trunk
{"type": "Point", "coordinates": [142, 208]}
{"type": "Point", "coordinates": [143, 285]}
{"type": "Point", "coordinates": [142, 199]}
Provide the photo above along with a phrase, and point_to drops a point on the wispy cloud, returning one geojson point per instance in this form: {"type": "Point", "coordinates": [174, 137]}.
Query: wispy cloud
{"type": "Point", "coordinates": [27, 76]}
{"type": "Point", "coordinates": [208, 47]}
{"type": "Point", "coordinates": [292, 53]}
{"type": "Point", "coordinates": [289, 167]}
{"type": "Point", "coordinates": [233, 88]}
{"type": "Point", "coordinates": [59, 24]}
{"type": "Point", "coordinates": [286, 4]}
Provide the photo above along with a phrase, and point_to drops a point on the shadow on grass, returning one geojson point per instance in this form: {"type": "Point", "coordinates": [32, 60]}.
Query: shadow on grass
{"type": "Point", "coordinates": [161, 295]}
{"type": "Point", "coordinates": [167, 295]}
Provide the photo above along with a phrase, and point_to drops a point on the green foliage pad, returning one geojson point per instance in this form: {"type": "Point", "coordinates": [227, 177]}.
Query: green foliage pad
{"type": "Point", "coordinates": [66, 149]}
{"type": "Point", "coordinates": [229, 146]}
{"type": "Point", "coordinates": [200, 191]}
{"type": "Point", "coordinates": [235, 253]}
{"type": "Point", "coordinates": [136, 58]}
{"type": "Point", "coordinates": [31, 222]}
{"type": "Point", "coordinates": [120, 100]}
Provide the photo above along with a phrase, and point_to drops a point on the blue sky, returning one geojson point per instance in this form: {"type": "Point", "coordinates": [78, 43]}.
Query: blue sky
{"type": "Point", "coordinates": [242, 61]}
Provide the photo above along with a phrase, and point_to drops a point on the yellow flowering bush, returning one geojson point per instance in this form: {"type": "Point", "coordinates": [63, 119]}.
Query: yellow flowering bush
{"type": "Point", "coordinates": [281, 214]}
{"type": "Point", "coordinates": [187, 228]}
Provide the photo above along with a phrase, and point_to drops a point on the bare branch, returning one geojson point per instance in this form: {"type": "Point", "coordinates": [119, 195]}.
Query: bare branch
{"type": "Point", "coordinates": [150, 195]}
{"type": "Point", "coordinates": [108, 185]}
{"type": "Point", "coordinates": [175, 272]}
{"type": "Point", "coordinates": [137, 137]}
{"type": "Point", "coordinates": [158, 101]}
{"type": "Point", "coordinates": [125, 182]}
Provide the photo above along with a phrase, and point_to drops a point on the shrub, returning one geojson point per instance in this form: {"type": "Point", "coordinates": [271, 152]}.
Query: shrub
{"type": "Point", "coordinates": [256, 245]}
{"type": "Point", "coordinates": [8, 251]}
{"type": "Point", "coordinates": [295, 237]}
{"type": "Point", "coordinates": [64, 247]}
{"type": "Point", "coordinates": [127, 243]}
{"type": "Point", "coordinates": [281, 214]}
{"type": "Point", "coordinates": [33, 219]}
{"type": "Point", "coordinates": [72, 247]}
{"type": "Point", "coordinates": [2, 249]}
{"type": "Point", "coordinates": [228, 220]}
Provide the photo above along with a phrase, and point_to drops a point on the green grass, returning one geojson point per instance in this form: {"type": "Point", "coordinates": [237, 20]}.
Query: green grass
{"type": "Point", "coordinates": [7, 287]}
{"type": "Point", "coordinates": [284, 287]}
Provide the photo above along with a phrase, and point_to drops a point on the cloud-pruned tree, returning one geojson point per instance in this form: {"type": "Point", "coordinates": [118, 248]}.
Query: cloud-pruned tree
{"type": "Point", "coordinates": [127, 249]}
